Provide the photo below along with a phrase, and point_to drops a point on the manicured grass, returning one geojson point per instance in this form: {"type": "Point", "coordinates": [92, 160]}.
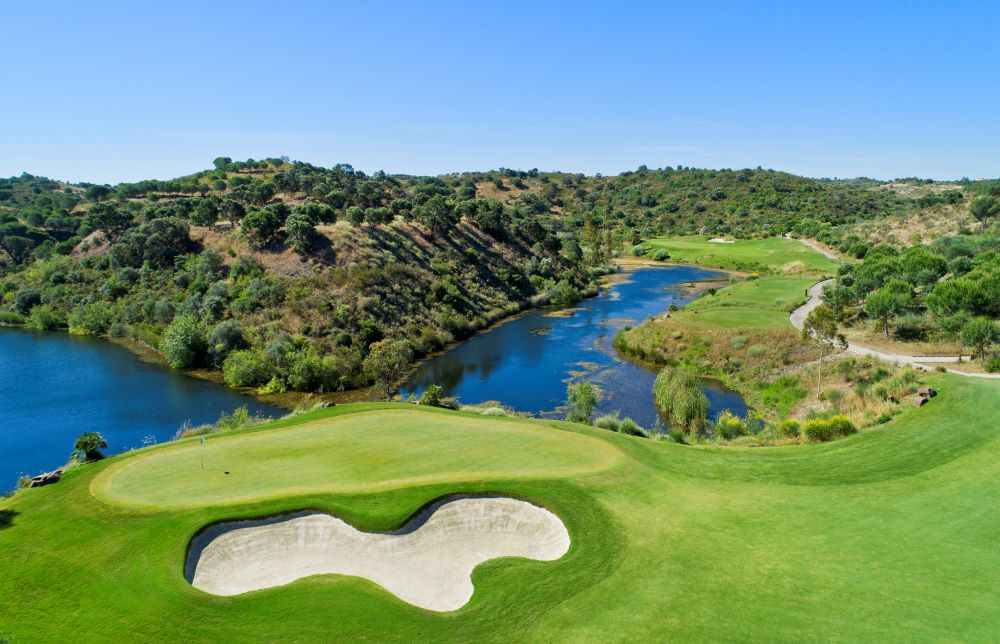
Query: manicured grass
{"type": "Point", "coordinates": [887, 535]}
{"type": "Point", "coordinates": [757, 303]}
{"type": "Point", "coordinates": [773, 253]}
{"type": "Point", "coordinates": [364, 451]}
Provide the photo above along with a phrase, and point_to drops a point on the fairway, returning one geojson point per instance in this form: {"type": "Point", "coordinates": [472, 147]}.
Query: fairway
{"type": "Point", "coordinates": [772, 253]}
{"type": "Point", "coordinates": [759, 303]}
{"type": "Point", "coordinates": [887, 535]}
{"type": "Point", "coordinates": [355, 452]}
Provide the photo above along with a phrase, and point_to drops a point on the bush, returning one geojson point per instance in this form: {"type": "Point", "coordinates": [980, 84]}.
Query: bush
{"type": "Point", "coordinates": [247, 368]}
{"type": "Point", "coordinates": [756, 351]}
{"type": "Point", "coordinates": [660, 255]}
{"type": "Point", "coordinates": [630, 427]}
{"type": "Point", "coordinates": [639, 250]}
{"type": "Point", "coordinates": [183, 343]}
{"type": "Point", "coordinates": [9, 317]}
{"type": "Point", "coordinates": [45, 317]}
{"type": "Point", "coordinates": [729, 426]}
{"type": "Point", "coordinates": [608, 422]}
{"type": "Point", "coordinates": [823, 429]}
{"type": "Point", "coordinates": [676, 434]}
{"type": "Point", "coordinates": [678, 395]}
{"type": "Point", "coordinates": [26, 299]}
{"type": "Point", "coordinates": [433, 396]}
{"type": "Point", "coordinates": [738, 342]}
{"type": "Point", "coordinates": [992, 365]}
{"type": "Point", "coordinates": [789, 428]}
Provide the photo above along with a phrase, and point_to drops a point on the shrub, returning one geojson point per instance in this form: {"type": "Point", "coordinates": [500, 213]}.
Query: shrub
{"type": "Point", "coordinates": [26, 299]}
{"type": "Point", "coordinates": [738, 342]}
{"type": "Point", "coordinates": [789, 428]}
{"type": "Point", "coordinates": [992, 365]}
{"type": "Point", "coordinates": [248, 368]}
{"type": "Point", "coordinates": [639, 250]}
{"type": "Point", "coordinates": [728, 426]}
{"type": "Point", "coordinates": [581, 398]}
{"type": "Point", "coordinates": [45, 317]}
{"type": "Point", "coordinates": [630, 427]}
{"type": "Point", "coordinates": [680, 398]}
{"type": "Point", "coordinates": [608, 422]}
{"type": "Point", "coordinates": [183, 343]}
{"type": "Point", "coordinates": [9, 317]}
{"type": "Point", "coordinates": [824, 429]}
{"type": "Point", "coordinates": [676, 434]}
{"type": "Point", "coordinates": [841, 425]}
{"type": "Point", "coordinates": [433, 396]}
{"type": "Point", "coordinates": [756, 351]}
{"type": "Point", "coordinates": [660, 255]}
{"type": "Point", "coordinates": [494, 411]}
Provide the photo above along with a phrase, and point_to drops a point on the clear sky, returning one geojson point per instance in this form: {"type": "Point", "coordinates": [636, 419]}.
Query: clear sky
{"type": "Point", "coordinates": [105, 92]}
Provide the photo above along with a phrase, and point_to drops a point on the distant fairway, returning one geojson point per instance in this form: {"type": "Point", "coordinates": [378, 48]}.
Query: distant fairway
{"type": "Point", "coordinates": [757, 303]}
{"type": "Point", "coordinates": [356, 452]}
{"type": "Point", "coordinates": [774, 253]}
{"type": "Point", "coordinates": [888, 535]}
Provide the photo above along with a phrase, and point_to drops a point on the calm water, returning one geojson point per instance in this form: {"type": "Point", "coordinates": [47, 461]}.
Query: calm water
{"type": "Point", "coordinates": [526, 363]}
{"type": "Point", "coordinates": [54, 387]}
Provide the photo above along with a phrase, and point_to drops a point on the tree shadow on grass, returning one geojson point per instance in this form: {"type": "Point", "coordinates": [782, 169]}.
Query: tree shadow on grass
{"type": "Point", "coordinates": [7, 518]}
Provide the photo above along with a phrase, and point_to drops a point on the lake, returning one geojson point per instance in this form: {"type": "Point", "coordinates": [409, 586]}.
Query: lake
{"type": "Point", "coordinates": [527, 362]}
{"type": "Point", "coordinates": [54, 387]}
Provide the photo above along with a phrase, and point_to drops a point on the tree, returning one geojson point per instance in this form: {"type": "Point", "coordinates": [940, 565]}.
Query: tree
{"type": "Point", "coordinates": [386, 363]}
{"type": "Point", "coordinates": [887, 302]}
{"type": "Point", "coordinates": [233, 211]}
{"type": "Point", "coordinates": [96, 193]}
{"type": "Point", "coordinates": [88, 447]}
{"type": "Point", "coordinates": [980, 333]}
{"type": "Point", "coordinates": [261, 226]}
{"type": "Point", "coordinates": [113, 221]}
{"type": "Point", "coordinates": [183, 343]}
{"type": "Point", "coordinates": [301, 233]}
{"type": "Point", "coordinates": [438, 215]}
{"type": "Point", "coordinates": [984, 208]}
{"type": "Point", "coordinates": [222, 163]}
{"type": "Point", "coordinates": [581, 399]}
{"type": "Point", "coordinates": [355, 215]}
{"type": "Point", "coordinates": [821, 327]}
{"type": "Point", "coordinates": [206, 213]}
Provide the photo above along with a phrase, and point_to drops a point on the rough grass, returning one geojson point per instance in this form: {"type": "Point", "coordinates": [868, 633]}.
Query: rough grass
{"type": "Point", "coordinates": [887, 535]}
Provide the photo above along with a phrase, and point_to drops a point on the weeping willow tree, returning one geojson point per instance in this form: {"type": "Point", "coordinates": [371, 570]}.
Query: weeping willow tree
{"type": "Point", "coordinates": [680, 398]}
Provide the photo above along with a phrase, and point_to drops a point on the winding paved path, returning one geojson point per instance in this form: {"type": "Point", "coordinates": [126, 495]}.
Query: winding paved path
{"type": "Point", "coordinates": [798, 319]}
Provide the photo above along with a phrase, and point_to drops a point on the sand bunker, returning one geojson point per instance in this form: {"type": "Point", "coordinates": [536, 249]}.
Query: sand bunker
{"type": "Point", "coordinates": [719, 240]}
{"type": "Point", "coordinates": [428, 562]}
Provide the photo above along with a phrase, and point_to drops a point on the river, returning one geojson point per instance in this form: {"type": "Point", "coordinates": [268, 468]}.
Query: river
{"type": "Point", "coordinates": [526, 363]}
{"type": "Point", "coordinates": [55, 386]}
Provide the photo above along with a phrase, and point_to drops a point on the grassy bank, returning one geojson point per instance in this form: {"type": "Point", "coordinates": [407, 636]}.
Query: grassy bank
{"type": "Point", "coordinates": [882, 535]}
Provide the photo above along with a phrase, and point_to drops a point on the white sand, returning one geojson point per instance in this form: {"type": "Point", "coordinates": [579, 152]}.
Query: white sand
{"type": "Point", "coordinates": [428, 563]}
{"type": "Point", "coordinates": [720, 240]}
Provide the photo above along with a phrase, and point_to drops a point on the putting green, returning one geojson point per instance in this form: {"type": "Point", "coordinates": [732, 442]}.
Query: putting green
{"type": "Point", "coordinates": [350, 453]}
{"type": "Point", "coordinates": [775, 253]}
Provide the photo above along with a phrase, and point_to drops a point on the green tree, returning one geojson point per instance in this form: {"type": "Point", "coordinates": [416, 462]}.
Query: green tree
{"type": "Point", "coordinates": [233, 211]}
{"type": "Point", "coordinates": [301, 233]}
{"type": "Point", "coordinates": [887, 302]}
{"type": "Point", "coordinates": [980, 333]}
{"type": "Point", "coordinates": [438, 215]}
{"type": "Point", "coordinates": [97, 192]}
{"type": "Point", "coordinates": [355, 215]}
{"type": "Point", "coordinates": [183, 343]}
{"type": "Point", "coordinates": [88, 446]}
{"type": "Point", "coordinates": [821, 327]}
{"type": "Point", "coordinates": [206, 213]}
{"type": "Point", "coordinates": [261, 227]}
{"type": "Point", "coordinates": [984, 208]}
{"type": "Point", "coordinates": [386, 363]}
{"type": "Point", "coordinates": [581, 399]}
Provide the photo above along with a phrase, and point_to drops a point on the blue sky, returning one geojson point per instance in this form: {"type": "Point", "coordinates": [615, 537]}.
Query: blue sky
{"type": "Point", "coordinates": [105, 91]}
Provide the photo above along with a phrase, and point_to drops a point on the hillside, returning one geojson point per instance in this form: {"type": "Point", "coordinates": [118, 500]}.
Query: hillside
{"type": "Point", "coordinates": [282, 274]}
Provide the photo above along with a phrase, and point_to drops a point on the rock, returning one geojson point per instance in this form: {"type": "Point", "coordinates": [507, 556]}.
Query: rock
{"type": "Point", "coordinates": [927, 392]}
{"type": "Point", "coordinates": [327, 404]}
{"type": "Point", "coordinates": [46, 478]}
{"type": "Point", "coordinates": [920, 401]}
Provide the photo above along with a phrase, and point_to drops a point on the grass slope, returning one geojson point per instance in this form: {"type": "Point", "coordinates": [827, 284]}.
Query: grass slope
{"type": "Point", "coordinates": [758, 303]}
{"type": "Point", "coordinates": [886, 535]}
{"type": "Point", "coordinates": [772, 253]}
